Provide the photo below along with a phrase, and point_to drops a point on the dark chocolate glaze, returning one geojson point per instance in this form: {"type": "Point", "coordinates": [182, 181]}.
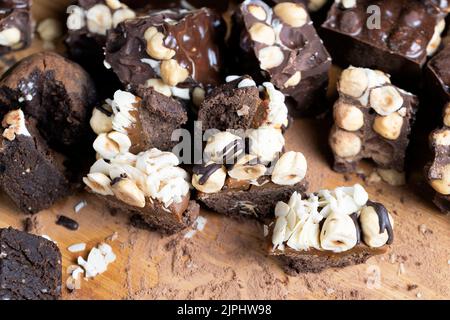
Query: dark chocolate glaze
{"type": "Point", "coordinates": [67, 223]}
{"type": "Point", "coordinates": [354, 217]}
{"type": "Point", "coordinates": [205, 171]}
{"type": "Point", "coordinates": [383, 218]}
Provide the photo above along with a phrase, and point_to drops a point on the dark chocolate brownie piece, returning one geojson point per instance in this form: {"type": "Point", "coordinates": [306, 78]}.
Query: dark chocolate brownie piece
{"type": "Point", "coordinates": [240, 104]}
{"type": "Point", "coordinates": [56, 92]}
{"type": "Point", "coordinates": [15, 25]}
{"type": "Point", "coordinates": [437, 75]}
{"type": "Point", "coordinates": [280, 45]}
{"type": "Point", "coordinates": [373, 119]}
{"type": "Point", "coordinates": [148, 121]}
{"type": "Point", "coordinates": [170, 50]}
{"type": "Point", "coordinates": [438, 172]}
{"type": "Point", "coordinates": [397, 40]}
{"type": "Point", "coordinates": [329, 229]}
{"type": "Point", "coordinates": [31, 174]}
{"type": "Point", "coordinates": [30, 267]}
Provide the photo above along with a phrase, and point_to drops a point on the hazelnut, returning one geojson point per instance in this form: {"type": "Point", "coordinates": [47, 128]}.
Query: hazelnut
{"type": "Point", "coordinates": [262, 33]}
{"type": "Point", "coordinates": [99, 183]}
{"type": "Point", "coordinates": [257, 11]}
{"type": "Point", "coordinates": [293, 80]}
{"type": "Point", "coordinates": [316, 5]}
{"type": "Point", "coordinates": [159, 86]}
{"type": "Point", "coordinates": [113, 4]}
{"type": "Point", "coordinates": [127, 191]}
{"type": "Point", "coordinates": [389, 127]}
{"type": "Point", "coordinates": [353, 82]}
{"type": "Point", "coordinates": [221, 142]}
{"type": "Point", "coordinates": [76, 18]}
{"type": "Point", "coordinates": [348, 117]}
{"type": "Point", "coordinates": [442, 185]}
{"type": "Point", "coordinates": [447, 115]}
{"type": "Point", "coordinates": [122, 15]}
{"type": "Point", "coordinates": [214, 183]}
{"type": "Point", "coordinates": [111, 144]}
{"type": "Point", "coordinates": [370, 227]}
{"type": "Point", "coordinates": [385, 100]}
{"type": "Point", "coordinates": [149, 33]}
{"type": "Point", "coordinates": [14, 124]}
{"type": "Point", "coordinates": [392, 177]}
{"type": "Point", "coordinates": [292, 14]}
{"type": "Point", "coordinates": [99, 19]}
{"type": "Point", "coordinates": [49, 29]}
{"type": "Point", "coordinates": [156, 48]}
{"type": "Point", "coordinates": [338, 233]}
{"type": "Point", "coordinates": [270, 57]}
{"type": "Point", "coordinates": [198, 96]}
{"type": "Point", "coordinates": [290, 169]}
{"type": "Point", "coordinates": [348, 4]}
{"type": "Point", "coordinates": [344, 144]}
{"type": "Point", "coordinates": [265, 143]}
{"type": "Point", "coordinates": [442, 137]}
{"type": "Point", "coordinates": [100, 166]}
{"type": "Point", "coordinates": [10, 37]}
{"type": "Point", "coordinates": [245, 169]}
{"type": "Point", "coordinates": [100, 122]}
{"type": "Point", "coordinates": [173, 73]}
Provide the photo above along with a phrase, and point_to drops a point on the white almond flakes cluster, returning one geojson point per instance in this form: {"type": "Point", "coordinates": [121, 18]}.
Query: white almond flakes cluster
{"type": "Point", "coordinates": [99, 18]}
{"type": "Point", "coordinates": [14, 124]}
{"type": "Point", "coordinates": [131, 178]}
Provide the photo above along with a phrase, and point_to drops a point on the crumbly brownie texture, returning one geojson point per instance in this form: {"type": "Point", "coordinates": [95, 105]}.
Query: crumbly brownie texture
{"type": "Point", "coordinates": [15, 25]}
{"type": "Point", "coordinates": [281, 45]}
{"type": "Point", "coordinates": [240, 104]}
{"type": "Point", "coordinates": [148, 122]}
{"type": "Point", "coordinates": [246, 176]}
{"type": "Point", "coordinates": [372, 119]}
{"type": "Point", "coordinates": [54, 91]}
{"type": "Point", "coordinates": [439, 169]}
{"type": "Point", "coordinates": [30, 267]}
{"type": "Point", "coordinates": [172, 51]}
{"type": "Point", "coordinates": [409, 32]}
{"type": "Point", "coordinates": [325, 230]}
{"type": "Point", "coordinates": [31, 174]}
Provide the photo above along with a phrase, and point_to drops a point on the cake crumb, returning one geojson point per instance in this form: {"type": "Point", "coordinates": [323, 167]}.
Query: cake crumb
{"type": "Point", "coordinates": [401, 269]}
{"type": "Point", "coordinates": [80, 205]}
{"type": "Point", "coordinates": [411, 287]}
{"type": "Point", "coordinates": [112, 237]}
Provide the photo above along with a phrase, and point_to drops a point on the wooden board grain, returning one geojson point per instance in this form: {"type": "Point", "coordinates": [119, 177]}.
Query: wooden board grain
{"type": "Point", "coordinates": [227, 259]}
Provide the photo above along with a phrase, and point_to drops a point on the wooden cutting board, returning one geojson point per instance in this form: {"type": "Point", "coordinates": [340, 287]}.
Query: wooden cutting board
{"type": "Point", "coordinates": [227, 259]}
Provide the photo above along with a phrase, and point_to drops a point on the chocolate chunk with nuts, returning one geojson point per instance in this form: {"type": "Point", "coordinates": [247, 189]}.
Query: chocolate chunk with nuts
{"type": "Point", "coordinates": [372, 119]}
{"type": "Point", "coordinates": [15, 25]}
{"type": "Point", "coordinates": [325, 230]}
{"type": "Point", "coordinates": [172, 51]}
{"type": "Point", "coordinates": [395, 36]}
{"type": "Point", "coordinates": [280, 45]}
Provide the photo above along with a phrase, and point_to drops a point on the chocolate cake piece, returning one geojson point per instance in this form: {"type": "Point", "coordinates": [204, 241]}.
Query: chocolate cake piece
{"type": "Point", "coordinates": [240, 104]}
{"type": "Point", "coordinates": [54, 91]}
{"type": "Point", "coordinates": [329, 229]}
{"type": "Point", "coordinates": [397, 40]}
{"type": "Point", "coordinates": [437, 74]}
{"type": "Point", "coordinates": [280, 45]}
{"type": "Point", "coordinates": [438, 172]}
{"type": "Point", "coordinates": [372, 120]}
{"type": "Point", "coordinates": [30, 267]}
{"type": "Point", "coordinates": [31, 174]}
{"type": "Point", "coordinates": [148, 121]}
{"type": "Point", "coordinates": [172, 51]}
{"type": "Point", "coordinates": [246, 176]}
{"type": "Point", "coordinates": [15, 25]}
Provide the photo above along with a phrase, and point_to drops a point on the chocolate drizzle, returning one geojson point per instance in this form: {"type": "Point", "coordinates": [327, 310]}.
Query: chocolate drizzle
{"type": "Point", "coordinates": [354, 217]}
{"type": "Point", "coordinates": [383, 219]}
{"type": "Point", "coordinates": [67, 223]}
{"type": "Point", "coordinates": [230, 152]}
{"type": "Point", "coordinates": [205, 171]}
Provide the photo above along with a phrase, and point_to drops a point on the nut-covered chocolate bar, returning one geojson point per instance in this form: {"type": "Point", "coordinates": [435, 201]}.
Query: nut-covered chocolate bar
{"type": "Point", "coordinates": [372, 119]}
{"type": "Point", "coordinates": [245, 169]}
{"type": "Point", "coordinates": [329, 229]}
{"type": "Point", "coordinates": [15, 25]}
{"type": "Point", "coordinates": [439, 170]}
{"type": "Point", "coordinates": [130, 174]}
{"type": "Point", "coordinates": [395, 36]}
{"type": "Point", "coordinates": [280, 45]}
{"type": "Point", "coordinates": [172, 51]}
